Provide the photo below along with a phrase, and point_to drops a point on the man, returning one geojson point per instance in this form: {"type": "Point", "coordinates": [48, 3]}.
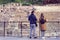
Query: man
{"type": "Point", "coordinates": [32, 18]}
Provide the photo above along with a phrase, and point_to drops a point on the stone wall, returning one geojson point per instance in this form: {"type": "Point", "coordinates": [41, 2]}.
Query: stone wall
{"type": "Point", "coordinates": [15, 12]}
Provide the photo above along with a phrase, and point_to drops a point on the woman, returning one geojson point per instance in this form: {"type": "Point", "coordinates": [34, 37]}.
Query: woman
{"type": "Point", "coordinates": [42, 25]}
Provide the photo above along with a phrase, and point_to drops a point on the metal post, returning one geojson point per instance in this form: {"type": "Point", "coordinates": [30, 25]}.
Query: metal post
{"type": "Point", "coordinates": [39, 29]}
{"type": "Point", "coordinates": [21, 29]}
{"type": "Point", "coordinates": [4, 29]}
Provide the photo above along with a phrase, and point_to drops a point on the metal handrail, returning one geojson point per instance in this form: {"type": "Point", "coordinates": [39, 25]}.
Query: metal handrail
{"type": "Point", "coordinates": [21, 22]}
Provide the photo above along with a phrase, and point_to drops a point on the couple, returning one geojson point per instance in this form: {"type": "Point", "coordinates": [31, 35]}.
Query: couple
{"type": "Point", "coordinates": [33, 24]}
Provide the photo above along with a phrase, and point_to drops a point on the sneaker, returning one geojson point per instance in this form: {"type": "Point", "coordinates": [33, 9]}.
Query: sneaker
{"type": "Point", "coordinates": [43, 38]}
{"type": "Point", "coordinates": [30, 37]}
{"type": "Point", "coordinates": [35, 37]}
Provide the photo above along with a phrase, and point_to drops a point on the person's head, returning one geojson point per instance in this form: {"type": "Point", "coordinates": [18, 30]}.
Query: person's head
{"type": "Point", "coordinates": [32, 12]}
{"type": "Point", "coordinates": [42, 15]}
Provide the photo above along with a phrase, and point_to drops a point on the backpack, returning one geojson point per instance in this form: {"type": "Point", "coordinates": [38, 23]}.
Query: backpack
{"type": "Point", "coordinates": [42, 21]}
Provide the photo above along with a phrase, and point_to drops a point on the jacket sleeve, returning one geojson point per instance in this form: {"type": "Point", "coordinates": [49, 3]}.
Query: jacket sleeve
{"type": "Point", "coordinates": [35, 18]}
{"type": "Point", "coordinates": [29, 18]}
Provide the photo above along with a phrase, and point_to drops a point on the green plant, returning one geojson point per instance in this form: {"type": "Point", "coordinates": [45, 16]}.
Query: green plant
{"type": "Point", "coordinates": [25, 4]}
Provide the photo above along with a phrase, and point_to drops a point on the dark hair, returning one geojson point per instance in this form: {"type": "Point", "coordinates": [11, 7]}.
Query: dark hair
{"type": "Point", "coordinates": [42, 20]}
{"type": "Point", "coordinates": [32, 12]}
{"type": "Point", "coordinates": [42, 15]}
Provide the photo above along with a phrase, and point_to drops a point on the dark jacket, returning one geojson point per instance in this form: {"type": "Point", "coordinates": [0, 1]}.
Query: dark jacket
{"type": "Point", "coordinates": [32, 18]}
{"type": "Point", "coordinates": [42, 21]}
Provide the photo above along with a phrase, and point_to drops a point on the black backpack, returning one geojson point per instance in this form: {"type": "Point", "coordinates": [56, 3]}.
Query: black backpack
{"type": "Point", "coordinates": [42, 21]}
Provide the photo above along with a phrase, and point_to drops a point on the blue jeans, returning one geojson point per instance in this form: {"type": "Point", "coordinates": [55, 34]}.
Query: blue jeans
{"type": "Point", "coordinates": [32, 30]}
{"type": "Point", "coordinates": [42, 33]}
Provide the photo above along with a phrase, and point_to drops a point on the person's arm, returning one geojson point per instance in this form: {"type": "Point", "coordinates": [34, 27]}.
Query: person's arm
{"type": "Point", "coordinates": [36, 21]}
{"type": "Point", "coordinates": [35, 18]}
{"type": "Point", "coordinates": [45, 19]}
{"type": "Point", "coordinates": [29, 18]}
